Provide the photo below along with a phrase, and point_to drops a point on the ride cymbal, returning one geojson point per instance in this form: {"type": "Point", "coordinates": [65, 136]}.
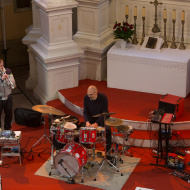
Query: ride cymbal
{"type": "Point", "coordinates": [113, 122]}
{"type": "Point", "coordinates": [47, 109]}
{"type": "Point", "coordinates": [103, 114]}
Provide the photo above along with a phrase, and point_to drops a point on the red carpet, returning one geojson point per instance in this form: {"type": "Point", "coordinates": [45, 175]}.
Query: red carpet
{"type": "Point", "coordinates": [129, 105]}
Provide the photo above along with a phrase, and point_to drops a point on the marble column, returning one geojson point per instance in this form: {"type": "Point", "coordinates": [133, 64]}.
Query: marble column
{"type": "Point", "coordinates": [56, 53]}
{"type": "Point", "coordinates": [94, 37]}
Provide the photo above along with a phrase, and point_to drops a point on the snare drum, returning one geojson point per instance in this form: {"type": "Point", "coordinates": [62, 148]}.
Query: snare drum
{"type": "Point", "coordinates": [72, 157]}
{"type": "Point", "coordinates": [87, 135]}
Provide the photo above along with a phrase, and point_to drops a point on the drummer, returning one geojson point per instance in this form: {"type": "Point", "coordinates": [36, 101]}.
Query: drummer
{"type": "Point", "coordinates": [96, 103]}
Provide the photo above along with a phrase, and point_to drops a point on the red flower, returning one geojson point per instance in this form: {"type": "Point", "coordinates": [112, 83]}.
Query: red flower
{"type": "Point", "coordinates": [115, 26]}
{"type": "Point", "coordinates": [125, 29]}
{"type": "Point", "coordinates": [131, 26]}
{"type": "Point", "coordinates": [119, 24]}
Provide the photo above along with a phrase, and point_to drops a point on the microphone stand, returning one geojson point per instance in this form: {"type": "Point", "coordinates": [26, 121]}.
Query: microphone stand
{"type": "Point", "coordinates": [71, 180]}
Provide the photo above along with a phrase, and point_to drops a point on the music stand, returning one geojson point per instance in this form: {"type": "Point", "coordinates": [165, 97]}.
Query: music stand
{"type": "Point", "coordinates": [105, 160]}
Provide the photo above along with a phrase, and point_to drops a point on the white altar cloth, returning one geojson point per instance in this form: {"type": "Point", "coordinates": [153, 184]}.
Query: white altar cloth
{"type": "Point", "coordinates": [147, 71]}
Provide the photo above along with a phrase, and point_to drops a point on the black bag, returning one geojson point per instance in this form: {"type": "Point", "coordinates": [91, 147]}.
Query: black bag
{"type": "Point", "coordinates": [28, 117]}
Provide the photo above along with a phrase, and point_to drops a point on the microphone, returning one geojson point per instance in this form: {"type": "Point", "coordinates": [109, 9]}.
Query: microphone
{"type": "Point", "coordinates": [60, 161]}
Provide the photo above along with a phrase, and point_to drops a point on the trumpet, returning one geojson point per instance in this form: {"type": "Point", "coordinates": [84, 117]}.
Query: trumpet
{"type": "Point", "coordinates": [8, 82]}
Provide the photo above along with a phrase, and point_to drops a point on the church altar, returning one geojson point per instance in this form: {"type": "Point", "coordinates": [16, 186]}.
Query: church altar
{"type": "Point", "coordinates": [162, 72]}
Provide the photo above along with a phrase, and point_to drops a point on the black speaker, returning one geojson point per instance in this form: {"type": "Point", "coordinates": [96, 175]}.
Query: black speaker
{"type": "Point", "coordinates": [28, 117]}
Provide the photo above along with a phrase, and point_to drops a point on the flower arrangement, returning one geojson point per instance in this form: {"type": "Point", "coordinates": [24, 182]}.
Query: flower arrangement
{"type": "Point", "coordinates": [123, 31]}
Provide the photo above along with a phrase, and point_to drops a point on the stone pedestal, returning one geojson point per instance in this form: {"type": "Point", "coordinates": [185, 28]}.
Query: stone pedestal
{"type": "Point", "coordinates": [56, 54]}
{"type": "Point", "coordinates": [94, 37]}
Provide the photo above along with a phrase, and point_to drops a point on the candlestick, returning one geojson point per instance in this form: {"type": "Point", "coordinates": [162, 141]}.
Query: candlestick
{"type": "Point", "coordinates": [135, 11]}
{"type": "Point", "coordinates": [165, 44]}
{"type": "Point", "coordinates": [135, 34]}
{"type": "Point", "coordinates": [173, 14]}
{"type": "Point", "coordinates": [173, 46]}
{"type": "Point", "coordinates": [183, 16]}
{"type": "Point", "coordinates": [143, 34]}
{"type": "Point", "coordinates": [182, 46]}
{"type": "Point", "coordinates": [165, 14]}
{"type": "Point", "coordinates": [127, 10]}
{"type": "Point", "coordinates": [143, 12]}
{"type": "Point", "coordinates": [126, 17]}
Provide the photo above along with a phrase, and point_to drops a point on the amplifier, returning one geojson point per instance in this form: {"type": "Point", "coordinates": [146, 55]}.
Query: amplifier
{"type": "Point", "coordinates": [172, 104]}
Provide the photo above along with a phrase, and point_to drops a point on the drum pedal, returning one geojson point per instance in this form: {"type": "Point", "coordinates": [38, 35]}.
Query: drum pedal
{"type": "Point", "coordinates": [70, 181]}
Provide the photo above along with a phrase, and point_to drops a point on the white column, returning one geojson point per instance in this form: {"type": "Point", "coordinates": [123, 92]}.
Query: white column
{"type": "Point", "coordinates": [94, 37]}
{"type": "Point", "coordinates": [33, 33]}
{"type": "Point", "coordinates": [56, 54]}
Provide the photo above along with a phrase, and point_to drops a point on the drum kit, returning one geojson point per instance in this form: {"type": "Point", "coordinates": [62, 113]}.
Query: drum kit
{"type": "Point", "coordinates": [72, 158]}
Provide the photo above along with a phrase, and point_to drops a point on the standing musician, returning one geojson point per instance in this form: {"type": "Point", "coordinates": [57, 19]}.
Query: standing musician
{"type": "Point", "coordinates": [7, 83]}
{"type": "Point", "coordinates": [96, 103]}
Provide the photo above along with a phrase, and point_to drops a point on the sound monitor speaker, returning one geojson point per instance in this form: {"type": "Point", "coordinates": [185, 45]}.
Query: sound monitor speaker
{"type": "Point", "coordinates": [172, 104]}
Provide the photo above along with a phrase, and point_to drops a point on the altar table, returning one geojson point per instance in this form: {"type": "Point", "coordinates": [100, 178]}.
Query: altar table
{"type": "Point", "coordinates": [162, 72]}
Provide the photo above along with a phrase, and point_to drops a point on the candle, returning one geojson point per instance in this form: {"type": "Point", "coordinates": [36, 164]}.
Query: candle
{"type": "Point", "coordinates": [143, 12]}
{"type": "Point", "coordinates": [127, 10]}
{"type": "Point", "coordinates": [165, 14]}
{"type": "Point", "coordinates": [135, 11]}
{"type": "Point", "coordinates": [183, 16]}
{"type": "Point", "coordinates": [173, 14]}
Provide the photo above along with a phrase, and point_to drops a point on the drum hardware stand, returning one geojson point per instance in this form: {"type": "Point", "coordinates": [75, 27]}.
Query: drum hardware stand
{"type": "Point", "coordinates": [104, 160]}
{"type": "Point", "coordinates": [46, 137]}
{"type": "Point", "coordinates": [115, 150]}
{"type": "Point", "coordinates": [124, 150]}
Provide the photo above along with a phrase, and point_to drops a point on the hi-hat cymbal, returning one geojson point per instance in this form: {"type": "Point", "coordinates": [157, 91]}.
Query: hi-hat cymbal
{"type": "Point", "coordinates": [103, 114]}
{"type": "Point", "coordinates": [47, 109]}
{"type": "Point", "coordinates": [122, 128]}
{"type": "Point", "coordinates": [113, 122]}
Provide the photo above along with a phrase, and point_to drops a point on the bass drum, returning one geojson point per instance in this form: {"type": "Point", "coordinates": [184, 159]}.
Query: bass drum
{"type": "Point", "coordinates": [69, 161]}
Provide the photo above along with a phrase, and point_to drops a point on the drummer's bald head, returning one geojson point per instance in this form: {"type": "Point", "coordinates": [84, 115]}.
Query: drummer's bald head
{"type": "Point", "coordinates": [92, 88]}
{"type": "Point", "coordinates": [92, 92]}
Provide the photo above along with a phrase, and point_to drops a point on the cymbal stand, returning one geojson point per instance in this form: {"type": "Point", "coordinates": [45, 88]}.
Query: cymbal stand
{"type": "Point", "coordinates": [105, 160]}
{"type": "Point", "coordinates": [44, 136]}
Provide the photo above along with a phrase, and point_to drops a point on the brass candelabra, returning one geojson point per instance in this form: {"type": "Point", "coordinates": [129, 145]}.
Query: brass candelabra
{"type": "Point", "coordinates": [135, 33]}
{"type": "Point", "coordinates": [143, 34]}
{"type": "Point", "coordinates": [165, 44]}
{"type": "Point", "coordinates": [173, 46]}
{"type": "Point", "coordinates": [182, 46]}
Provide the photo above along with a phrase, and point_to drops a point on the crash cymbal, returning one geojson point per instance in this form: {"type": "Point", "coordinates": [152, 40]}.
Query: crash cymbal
{"type": "Point", "coordinates": [47, 109]}
{"type": "Point", "coordinates": [113, 122]}
{"type": "Point", "coordinates": [122, 128]}
{"type": "Point", "coordinates": [103, 114]}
